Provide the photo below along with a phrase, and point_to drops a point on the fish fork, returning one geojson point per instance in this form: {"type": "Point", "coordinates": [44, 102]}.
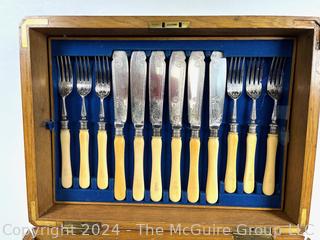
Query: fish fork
{"type": "Point", "coordinates": [253, 89]}
{"type": "Point", "coordinates": [84, 84]}
{"type": "Point", "coordinates": [274, 89]}
{"type": "Point", "coordinates": [65, 85]}
{"type": "Point", "coordinates": [234, 90]}
{"type": "Point", "coordinates": [102, 88]}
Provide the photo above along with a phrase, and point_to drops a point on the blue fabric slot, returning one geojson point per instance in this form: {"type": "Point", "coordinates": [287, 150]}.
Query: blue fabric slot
{"type": "Point", "coordinates": [230, 48]}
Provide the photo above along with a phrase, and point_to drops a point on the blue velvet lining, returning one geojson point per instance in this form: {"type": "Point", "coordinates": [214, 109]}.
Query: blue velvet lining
{"type": "Point", "coordinates": [246, 48]}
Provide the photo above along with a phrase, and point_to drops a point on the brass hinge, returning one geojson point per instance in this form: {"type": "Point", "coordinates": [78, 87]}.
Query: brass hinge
{"type": "Point", "coordinates": [252, 233]}
{"type": "Point", "coordinates": [81, 228]}
{"type": "Point", "coordinates": [171, 24]}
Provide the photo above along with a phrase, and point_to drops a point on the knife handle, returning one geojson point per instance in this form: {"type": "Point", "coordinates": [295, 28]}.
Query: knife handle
{"type": "Point", "coordinates": [119, 176]}
{"type": "Point", "coordinates": [138, 179]}
{"type": "Point", "coordinates": [212, 178]}
{"type": "Point", "coordinates": [193, 182]}
{"type": "Point", "coordinates": [269, 174]}
{"type": "Point", "coordinates": [175, 179]}
{"type": "Point", "coordinates": [66, 170]}
{"type": "Point", "coordinates": [84, 175]}
{"type": "Point", "coordinates": [102, 176]}
{"type": "Point", "coordinates": [248, 180]}
{"type": "Point", "coordinates": [230, 182]}
{"type": "Point", "coordinates": [156, 182]}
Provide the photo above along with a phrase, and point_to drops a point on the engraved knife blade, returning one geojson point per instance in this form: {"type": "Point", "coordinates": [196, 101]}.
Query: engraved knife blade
{"type": "Point", "coordinates": [138, 74]}
{"type": "Point", "coordinates": [157, 74]}
{"type": "Point", "coordinates": [217, 88]}
{"type": "Point", "coordinates": [196, 72]}
{"type": "Point", "coordinates": [120, 82]}
{"type": "Point", "coordinates": [177, 75]}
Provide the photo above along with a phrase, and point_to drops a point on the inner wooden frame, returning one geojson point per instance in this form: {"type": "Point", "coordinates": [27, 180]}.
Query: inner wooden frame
{"type": "Point", "coordinates": [303, 122]}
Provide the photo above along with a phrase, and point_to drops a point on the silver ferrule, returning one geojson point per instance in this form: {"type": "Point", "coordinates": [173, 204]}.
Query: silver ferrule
{"type": "Point", "coordinates": [119, 130]}
{"type": "Point", "coordinates": [139, 131]}
{"type": "Point", "coordinates": [176, 132]}
{"type": "Point", "coordinates": [83, 124]}
{"type": "Point", "coordinates": [233, 127]}
{"type": "Point", "coordinates": [273, 128]}
{"type": "Point", "coordinates": [83, 109]}
{"type": "Point", "coordinates": [101, 113]}
{"type": "Point", "coordinates": [234, 111]}
{"type": "Point", "coordinates": [64, 109]}
{"type": "Point", "coordinates": [195, 132]}
{"type": "Point", "coordinates": [214, 131]}
{"type": "Point", "coordinates": [156, 131]}
{"type": "Point", "coordinates": [64, 124]}
{"type": "Point", "coordinates": [102, 125]}
{"type": "Point", "coordinates": [252, 128]}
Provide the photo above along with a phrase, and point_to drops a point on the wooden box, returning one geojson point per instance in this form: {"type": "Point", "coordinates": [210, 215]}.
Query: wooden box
{"type": "Point", "coordinates": [122, 219]}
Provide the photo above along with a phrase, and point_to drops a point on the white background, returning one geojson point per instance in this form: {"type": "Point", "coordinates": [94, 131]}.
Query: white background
{"type": "Point", "coordinates": [13, 203]}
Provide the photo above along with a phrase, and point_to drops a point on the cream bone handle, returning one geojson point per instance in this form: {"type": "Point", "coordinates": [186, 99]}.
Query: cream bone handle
{"type": "Point", "coordinates": [66, 170]}
{"type": "Point", "coordinates": [102, 176]}
{"type": "Point", "coordinates": [268, 186]}
{"type": "Point", "coordinates": [156, 182]}
{"type": "Point", "coordinates": [230, 182]}
{"type": "Point", "coordinates": [212, 178]}
{"type": "Point", "coordinates": [175, 179]}
{"type": "Point", "coordinates": [249, 174]}
{"type": "Point", "coordinates": [119, 178]}
{"type": "Point", "coordinates": [138, 176]}
{"type": "Point", "coordinates": [193, 181]}
{"type": "Point", "coordinates": [84, 175]}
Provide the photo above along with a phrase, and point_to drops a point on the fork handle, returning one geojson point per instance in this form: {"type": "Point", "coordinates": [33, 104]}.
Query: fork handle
{"type": "Point", "coordinates": [269, 173]}
{"type": "Point", "coordinates": [102, 176]}
{"type": "Point", "coordinates": [66, 170]}
{"type": "Point", "coordinates": [230, 182]}
{"type": "Point", "coordinates": [193, 181]}
{"type": "Point", "coordinates": [138, 178]}
{"type": "Point", "coordinates": [175, 179]}
{"type": "Point", "coordinates": [84, 175]}
{"type": "Point", "coordinates": [248, 180]}
{"type": "Point", "coordinates": [119, 177]}
{"type": "Point", "coordinates": [212, 178]}
{"type": "Point", "coordinates": [156, 182]}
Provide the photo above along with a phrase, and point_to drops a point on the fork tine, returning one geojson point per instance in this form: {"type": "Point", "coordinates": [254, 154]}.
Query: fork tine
{"type": "Point", "coordinates": [104, 70]}
{"type": "Point", "coordinates": [62, 70]}
{"type": "Point", "coordinates": [253, 71]}
{"type": "Point", "coordinates": [96, 69]}
{"type": "Point", "coordinates": [248, 72]}
{"type": "Point", "coordinates": [261, 71]}
{"type": "Point", "coordinates": [70, 70]}
{"type": "Point", "coordinates": [99, 69]}
{"type": "Point", "coordinates": [278, 71]}
{"type": "Point", "coordinates": [230, 71]}
{"type": "Point", "coordinates": [84, 68]}
{"type": "Point", "coordinates": [271, 71]}
{"type": "Point", "coordinates": [257, 71]}
{"type": "Point", "coordinates": [243, 60]}
{"type": "Point", "coordinates": [108, 71]}
{"type": "Point", "coordinates": [89, 71]}
{"type": "Point", "coordinates": [80, 69]}
{"type": "Point", "coordinates": [59, 69]}
{"type": "Point", "coordinates": [282, 70]}
{"type": "Point", "coordinates": [66, 68]}
{"type": "Point", "coordinates": [235, 70]}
